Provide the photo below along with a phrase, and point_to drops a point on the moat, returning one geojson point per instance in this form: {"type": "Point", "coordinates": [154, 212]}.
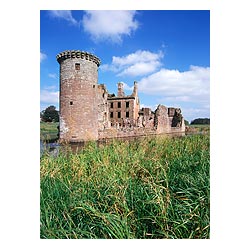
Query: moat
{"type": "Point", "coordinates": [53, 147]}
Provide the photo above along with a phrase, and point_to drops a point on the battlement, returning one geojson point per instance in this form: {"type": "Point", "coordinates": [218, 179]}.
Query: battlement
{"type": "Point", "coordinates": [78, 54]}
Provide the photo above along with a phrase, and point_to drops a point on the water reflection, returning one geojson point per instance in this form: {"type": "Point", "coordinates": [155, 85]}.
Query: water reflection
{"type": "Point", "coordinates": [51, 148]}
{"type": "Point", "coordinates": [75, 147]}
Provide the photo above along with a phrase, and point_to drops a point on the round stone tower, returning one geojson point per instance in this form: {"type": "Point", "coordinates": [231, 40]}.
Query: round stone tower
{"type": "Point", "coordinates": [78, 95]}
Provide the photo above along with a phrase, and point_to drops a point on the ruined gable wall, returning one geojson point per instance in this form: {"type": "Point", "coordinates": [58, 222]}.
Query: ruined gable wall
{"type": "Point", "coordinates": [115, 110]}
{"type": "Point", "coordinates": [85, 108]}
{"type": "Point", "coordinates": [162, 119]}
{"type": "Point", "coordinates": [103, 109]}
{"type": "Point", "coordinates": [136, 107]}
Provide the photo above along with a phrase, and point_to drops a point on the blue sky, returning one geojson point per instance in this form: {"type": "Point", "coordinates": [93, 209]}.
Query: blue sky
{"type": "Point", "coordinates": [166, 52]}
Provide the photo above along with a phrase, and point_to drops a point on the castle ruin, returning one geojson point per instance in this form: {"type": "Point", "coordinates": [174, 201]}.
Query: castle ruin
{"type": "Point", "coordinates": [89, 112]}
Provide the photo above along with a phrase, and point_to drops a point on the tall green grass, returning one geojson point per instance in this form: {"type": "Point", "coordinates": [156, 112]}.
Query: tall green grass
{"type": "Point", "coordinates": [150, 188]}
{"type": "Point", "coordinates": [48, 131]}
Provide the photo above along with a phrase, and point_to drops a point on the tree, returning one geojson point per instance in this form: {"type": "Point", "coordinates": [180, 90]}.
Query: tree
{"type": "Point", "coordinates": [50, 114]}
{"type": "Point", "coordinates": [200, 121]}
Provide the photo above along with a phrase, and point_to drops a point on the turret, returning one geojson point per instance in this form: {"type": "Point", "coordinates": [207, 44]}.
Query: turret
{"type": "Point", "coordinates": [78, 95]}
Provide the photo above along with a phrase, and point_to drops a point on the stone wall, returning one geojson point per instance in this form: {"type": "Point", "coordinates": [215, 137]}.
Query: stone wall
{"type": "Point", "coordinates": [124, 109]}
{"type": "Point", "coordinates": [161, 121]}
{"type": "Point", "coordinates": [88, 112]}
{"type": "Point", "coordinates": [149, 123]}
{"type": "Point", "coordinates": [103, 108]}
{"type": "Point", "coordinates": [121, 109]}
{"type": "Point", "coordinates": [78, 96]}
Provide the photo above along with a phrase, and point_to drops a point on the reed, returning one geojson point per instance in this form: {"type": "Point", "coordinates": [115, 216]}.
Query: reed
{"type": "Point", "coordinates": [145, 189]}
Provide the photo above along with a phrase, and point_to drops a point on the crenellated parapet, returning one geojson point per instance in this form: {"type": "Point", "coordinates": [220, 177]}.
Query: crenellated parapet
{"type": "Point", "coordinates": [78, 54]}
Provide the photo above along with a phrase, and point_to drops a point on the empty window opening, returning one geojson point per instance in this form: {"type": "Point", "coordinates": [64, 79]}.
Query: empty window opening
{"type": "Point", "coordinates": [71, 103]}
{"type": "Point", "coordinates": [111, 105]}
{"type": "Point", "coordinates": [119, 114]}
{"type": "Point", "coordinates": [111, 114]}
{"type": "Point", "coordinates": [127, 114]}
{"type": "Point", "coordinates": [127, 104]}
{"type": "Point", "coordinates": [119, 104]}
{"type": "Point", "coordinates": [93, 86]}
{"type": "Point", "coordinates": [77, 66]}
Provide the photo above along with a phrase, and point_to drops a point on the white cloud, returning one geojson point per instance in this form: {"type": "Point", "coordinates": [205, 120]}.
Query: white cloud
{"type": "Point", "coordinates": [50, 87]}
{"type": "Point", "coordinates": [109, 25]}
{"type": "Point", "coordinates": [42, 57]}
{"type": "Point", "coordinates": [152, 107]}
{"type": "Point", "coordinates": [191, 113]}
{"type": "Point", "coordinates": [54, 75]}
{"type": "Point", "coordinates": [140, 69]}
{"type": "Point", "coordinates": [135, 64]}
{"type": "Point", "coordinates": [189, 90]}
{"type": "Point", "coordinates": [138, 57]}
{"type": "Point", "coordinates": [176, 99]}
{"type": "Point", "coordinates": [50, 97]}
{"type": "Point", "coordinates": [127, 87]}
{"type": "Point", "coordinates": [189, 85]}
{"type": "Point", "coordinates": [64, 14]}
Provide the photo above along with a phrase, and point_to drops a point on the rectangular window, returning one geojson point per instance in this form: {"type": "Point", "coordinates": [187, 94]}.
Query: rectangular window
{"type": "Point", "coordinates": [111, 105]}
{"type": "Point", "coordinates": [127, 104]}
{"type": "Point", "coordinates": [111, 114]}
{"type": "Point", "coordinates": [119, 114]}
{"type": "Point", "coordinates": [71, 103]}
{"type": "Point", "coordinates": [77, 66]}
{"type": "Point", "coordinates": [119, 105]}
{"type": "Point", "coordinates": [127, 114]}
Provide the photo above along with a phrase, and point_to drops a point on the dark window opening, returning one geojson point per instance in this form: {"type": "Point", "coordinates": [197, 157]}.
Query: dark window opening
{"type": "Point", "coordinates": [119, 104]}
{"type": "Point", "coordinates": [77, 66]}
{"type": "Point", "coordinates": [127, 114]}
{"type": "Point", "coordinates": [127, 104]}
{"type": "Point", "coordinates": [119, 114]}
{"type": "Point", "coordinates": [111, 114]}
{"type": "Point", "coordinates": [93, 86]}
{"type": "Point", "coordinates": [71, 103]}
{"type": "Point", "coordinates": [111, 105]}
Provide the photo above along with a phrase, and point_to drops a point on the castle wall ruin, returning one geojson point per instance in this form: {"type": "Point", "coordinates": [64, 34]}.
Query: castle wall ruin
{"type": "Point", "coordinates": [89, 112]}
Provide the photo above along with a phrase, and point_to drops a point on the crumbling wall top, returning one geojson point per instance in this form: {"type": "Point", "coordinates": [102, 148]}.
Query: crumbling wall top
{"type": "Point", "coordinates": [78, 54]}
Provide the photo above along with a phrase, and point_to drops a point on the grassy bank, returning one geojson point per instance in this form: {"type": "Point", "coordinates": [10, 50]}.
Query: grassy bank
{"type": "Point", "coordinates": [152, 188]}
{"type": "Point", "coordinates": [48, 131]}
{"type": "Point", "coordinates": [205, 128]}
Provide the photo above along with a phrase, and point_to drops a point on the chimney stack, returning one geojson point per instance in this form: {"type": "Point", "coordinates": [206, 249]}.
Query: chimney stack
{"type": "Point", "coordinates": [120, 90]}
{"type": "Point", "coordinates": [135, 91]}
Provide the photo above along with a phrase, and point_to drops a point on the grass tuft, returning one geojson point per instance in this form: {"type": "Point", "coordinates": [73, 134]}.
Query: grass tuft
{"type": "Point", "coordinates": [145, 189]}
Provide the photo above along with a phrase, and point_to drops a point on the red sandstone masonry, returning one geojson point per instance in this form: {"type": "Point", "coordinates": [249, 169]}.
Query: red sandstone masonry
{"type": "Point", "coordinates": [85, 105]}
{"type": "Point", "coordinates": [78, 96]}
